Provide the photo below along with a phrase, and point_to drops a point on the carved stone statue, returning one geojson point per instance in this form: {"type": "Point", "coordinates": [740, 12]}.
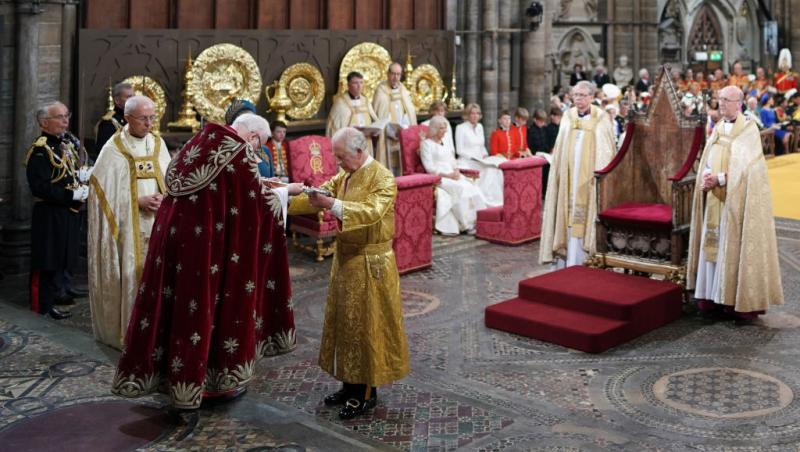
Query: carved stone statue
{"type": "Point", "coordinates": [623, 75]}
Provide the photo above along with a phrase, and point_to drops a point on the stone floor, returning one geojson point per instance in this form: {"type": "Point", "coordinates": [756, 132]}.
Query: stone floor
{"type": "Point", "coordinates": [687, 386]}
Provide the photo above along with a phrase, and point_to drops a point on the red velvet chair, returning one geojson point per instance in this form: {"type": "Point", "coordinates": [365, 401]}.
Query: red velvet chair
{"type": "Point", "coordinates": [413, 237]}
{"type": "Point", "coordinates": [311, 162]}
{"type": "Point", "coordinates": [519, 219]}
{"type": "Point", "coordinates": [410, 141]}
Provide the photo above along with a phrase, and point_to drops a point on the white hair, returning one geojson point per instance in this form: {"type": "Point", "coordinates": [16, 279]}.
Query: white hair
{"type": "Point", "coordinates": [351, 138]}
{"type": "Point", "coordinates": [134, 102]}
{"type": "Point", "coordinates": [587, 85]}
{"type": "Point", "coordinates": [253, 123]}
{"type": "Point", "coordinates": [642, 71]}
{"type": "Point", "coordinates": [437, 123]}
{"type": "Point", "coordinates": [44, 111]}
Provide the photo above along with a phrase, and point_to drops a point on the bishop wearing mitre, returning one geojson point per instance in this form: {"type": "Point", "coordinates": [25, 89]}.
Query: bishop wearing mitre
{"type": "Point", "coordinates": [392, 101]}
{"type": "Point", "coordinates": [126, 189]}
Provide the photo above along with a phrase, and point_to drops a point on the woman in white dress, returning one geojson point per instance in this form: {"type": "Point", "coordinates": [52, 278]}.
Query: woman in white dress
{"type": "Point", "coordinates": [457, 198]}
{"type": "Point", "coordinates": [438, 108]}
{"type": "Point", "coordinates": [472, 154]}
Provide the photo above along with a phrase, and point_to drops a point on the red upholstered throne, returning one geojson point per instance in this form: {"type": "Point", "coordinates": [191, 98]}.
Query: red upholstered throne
{"type": "Point", "coordinates": [413, 236]}
{"type": "Point", "coordinates": [519, 219]}
{"type": "Point", "coordinates": [410, 141]}
{"type": "Point", "coordinates": [311, 162]}
{"type": "Point", "coordinates": [644, 196]}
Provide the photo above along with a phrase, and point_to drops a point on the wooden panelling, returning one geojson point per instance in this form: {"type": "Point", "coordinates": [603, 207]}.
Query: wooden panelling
{"type": "Point", "coordinates": [273, 14]}
{"type": "Point", "coordinates": [369, 14]}
{"type": "Point", "coordinates": [194, 14]}
{"type": "Point", "coordinates": [148, 13]}
{"type": "Point", "coordinates": [427, 14]}
{"type": "Point", "coordinates": [234, 14]}
{"type": "Point", "coordinates": [305, 14]}
{"type": "Point", "coordinates": [105, 14]}
{"type": "Point", "coordinates": [401, 14]}
{"type": "Point", "coordinates": [340, 14]}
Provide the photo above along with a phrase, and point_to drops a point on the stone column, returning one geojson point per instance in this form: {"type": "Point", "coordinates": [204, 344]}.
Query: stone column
{"type": "Point", "coordinates": [793, 32]}
{"type": "Point", "coordinates": [471, 55]}
{"type": "Point", "coordinates": [69, 24]}
{"type": "Point", "coordinates": [15, 242]}
{"type": "Point", "coordinates": [535, 82]}
{"type": "Point", "coordinates": [504, 54]}
{"type": "Point", "coordinates": [489, 66]}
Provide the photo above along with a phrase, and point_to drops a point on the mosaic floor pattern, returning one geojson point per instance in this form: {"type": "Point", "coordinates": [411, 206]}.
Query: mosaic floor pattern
{"type": "Point", "coordinates": [687, 386]}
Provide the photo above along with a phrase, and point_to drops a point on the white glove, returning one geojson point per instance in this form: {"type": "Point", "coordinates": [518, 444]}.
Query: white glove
{"type": "Point", "coordinates": [84, 174]}
{"type": "Point", "coordinates": [81, 193]}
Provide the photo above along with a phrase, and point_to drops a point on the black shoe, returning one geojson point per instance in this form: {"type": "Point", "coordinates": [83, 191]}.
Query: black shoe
{"type": "Point", "coordinates": [58, 314]}
{"type": "Point", "coordinates": [337, 398]}
{"type": "Point", "coordinates": [357, 407]}
{"type": "Point", "coordinates": [64, 301]}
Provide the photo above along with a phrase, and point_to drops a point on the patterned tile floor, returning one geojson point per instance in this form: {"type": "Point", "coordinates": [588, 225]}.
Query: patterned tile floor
{"type": "Point", "coordinates": [687, 386]}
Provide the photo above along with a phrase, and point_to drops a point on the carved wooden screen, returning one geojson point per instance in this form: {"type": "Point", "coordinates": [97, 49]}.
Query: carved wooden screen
{"type": "Point", "coordinates": [706, 34]}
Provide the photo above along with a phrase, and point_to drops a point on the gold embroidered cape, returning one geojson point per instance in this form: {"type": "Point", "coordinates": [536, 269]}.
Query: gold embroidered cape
{"type": "Point", "coordinates": [382, 104]}
{"type": "Point", "coordinates": [118, 231]}
{"type": "Point", "coordinates": [342, 115]}
{"type": "Point", "coordinates": [748, 259]}
{"type": "Point", "coordinates": [363, 341]}
{"type": "Point", "coordinates": [556, 205]}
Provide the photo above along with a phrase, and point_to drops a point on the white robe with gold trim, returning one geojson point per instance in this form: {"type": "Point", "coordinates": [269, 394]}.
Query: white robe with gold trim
{"type": "Point", "coordinates": [396, 105]}
{"type": "Point", "coordinates": [119, 231]}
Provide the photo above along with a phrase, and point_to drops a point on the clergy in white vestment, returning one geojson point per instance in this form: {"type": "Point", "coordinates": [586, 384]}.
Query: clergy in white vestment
{"type": "Point", "coordinates": [438, 108]}
{"type": "Point", "coordinates": [733, 253]}
{"type": "Point", "coordinates": [126, 189]}
{"type": "Point", "coordinates": [585, 144]}
{"type": "Point", "coordinates": [472, 154]}
{"type": "Point", "coordinates": [352, 109]}
{"type": "Point", "coordinates": [457, 198]}
{"type": "Point", "coordinates": [392, 101]}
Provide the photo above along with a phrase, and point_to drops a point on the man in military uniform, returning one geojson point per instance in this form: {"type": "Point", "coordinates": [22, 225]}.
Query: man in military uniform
{"type": "Point", "coordinates": [57, 183]}
{"type": "Point", "coordinates": [113, 121]}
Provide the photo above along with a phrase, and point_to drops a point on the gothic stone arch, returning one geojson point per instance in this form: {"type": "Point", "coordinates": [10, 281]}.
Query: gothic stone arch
{"type": "Point", "coordinates": [577, 46]}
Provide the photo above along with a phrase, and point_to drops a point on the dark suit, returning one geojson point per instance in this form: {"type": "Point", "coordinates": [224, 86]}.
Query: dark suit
{"type": "Point", "coordinates": [55, 222]}
{"type": "Point", "coordinates": [538, 142]}
{"type": "Point", "coordinates": [642, 86]}
{"type": "Point", "coordinates": [601, 79]}
{"type": "Point", "coordinates": [107, 127]}
{"type": "Point", "coordinates": [576, 77]}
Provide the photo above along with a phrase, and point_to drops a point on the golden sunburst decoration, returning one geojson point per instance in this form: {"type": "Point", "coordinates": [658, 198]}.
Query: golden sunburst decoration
{"type": "Point", "coordinates": [221, 73]}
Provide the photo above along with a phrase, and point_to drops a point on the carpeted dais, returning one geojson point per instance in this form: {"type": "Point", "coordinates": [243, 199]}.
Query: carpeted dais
{"type": "Point", "coordinates": [587, 309]}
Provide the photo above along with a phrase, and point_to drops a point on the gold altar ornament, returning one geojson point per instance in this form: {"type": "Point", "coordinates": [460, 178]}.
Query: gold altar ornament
{"type": "Point", "coordinates": [426, 86]}
{"type": "Point", "coordinates": [305, 88]}
{"type": "Point", "coordinates": [221, 73]}
{"type": "Point", "coordinates": [146, 86]}
{"type": "Point", "coordinates": [187, 119]}
{"type": "Point", "coordinates": [371, 60]}
{"type": "Point", "coordinates": [454, 102]}
{"type": "Point", "coordinates": [278, 102]}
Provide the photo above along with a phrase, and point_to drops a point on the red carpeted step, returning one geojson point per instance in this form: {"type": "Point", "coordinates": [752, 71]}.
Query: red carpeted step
{"type": "Point", "coordinates": [573, 329]}
{"type": "Point", "coordinates": [605, 293]}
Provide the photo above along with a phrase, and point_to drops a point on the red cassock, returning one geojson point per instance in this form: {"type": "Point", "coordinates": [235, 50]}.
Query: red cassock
{"type": "Point", "coordinates": [215, 293]}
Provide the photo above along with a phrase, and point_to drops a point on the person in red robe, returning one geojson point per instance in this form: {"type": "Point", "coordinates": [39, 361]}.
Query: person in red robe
{"type": "Point", "coordinates": [503, 142]}
{"type": "Point", "coordinates": [520, 131]}
{"type": "Point", "coordinates": [785, 78]}
{"type": "Point", "coordinates": [215, 293]}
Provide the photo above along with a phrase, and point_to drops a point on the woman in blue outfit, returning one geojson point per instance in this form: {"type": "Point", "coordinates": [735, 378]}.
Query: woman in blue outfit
{"type": "Point", "coordinates": [769, 117]}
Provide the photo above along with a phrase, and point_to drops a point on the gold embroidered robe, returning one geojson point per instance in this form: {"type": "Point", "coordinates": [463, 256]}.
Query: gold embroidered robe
{"type": "Point", "coordinates": [119, 232]}
{"type": "Point", "coordinates": [363, 341]}
{"type": "Point", "coordinates": [747, 258]}
{"type": "Point", "coordinates": [392, 105]}
{"type": "Point", "coordinates": [347, 113]}
{"type": "Point", "coordinates": [556, 205]}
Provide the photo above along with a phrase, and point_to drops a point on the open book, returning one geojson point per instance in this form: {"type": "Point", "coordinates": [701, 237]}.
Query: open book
{"type": "Point", "coordinates": [546, 156]}
{"type": "Point", "coordinates": [375, 128]}
{"type": "Point", "coordinates": [492, 160]}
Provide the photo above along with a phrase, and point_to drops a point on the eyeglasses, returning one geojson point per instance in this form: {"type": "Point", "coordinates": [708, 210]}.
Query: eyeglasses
{"type": "Point", "coordinates": [723, 99]}
{"type": "Point", "coordinates": [145, 118]}
{"type": "Point", "coordinates": [60, 117]}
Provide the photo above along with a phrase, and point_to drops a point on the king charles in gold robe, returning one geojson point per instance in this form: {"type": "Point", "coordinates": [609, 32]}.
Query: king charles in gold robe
{"type": "Point", "coordinates": [733, 254]}
{"type": "Point", "coordinates": [363, 341]}
{"type": "Point", "coordinates": [585, 144]}
{"type": "Point", "coordinates": [130, 167]}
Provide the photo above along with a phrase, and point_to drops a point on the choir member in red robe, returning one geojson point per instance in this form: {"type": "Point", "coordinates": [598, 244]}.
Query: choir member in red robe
{"type": "Point", "coordinates": [503, 142]}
